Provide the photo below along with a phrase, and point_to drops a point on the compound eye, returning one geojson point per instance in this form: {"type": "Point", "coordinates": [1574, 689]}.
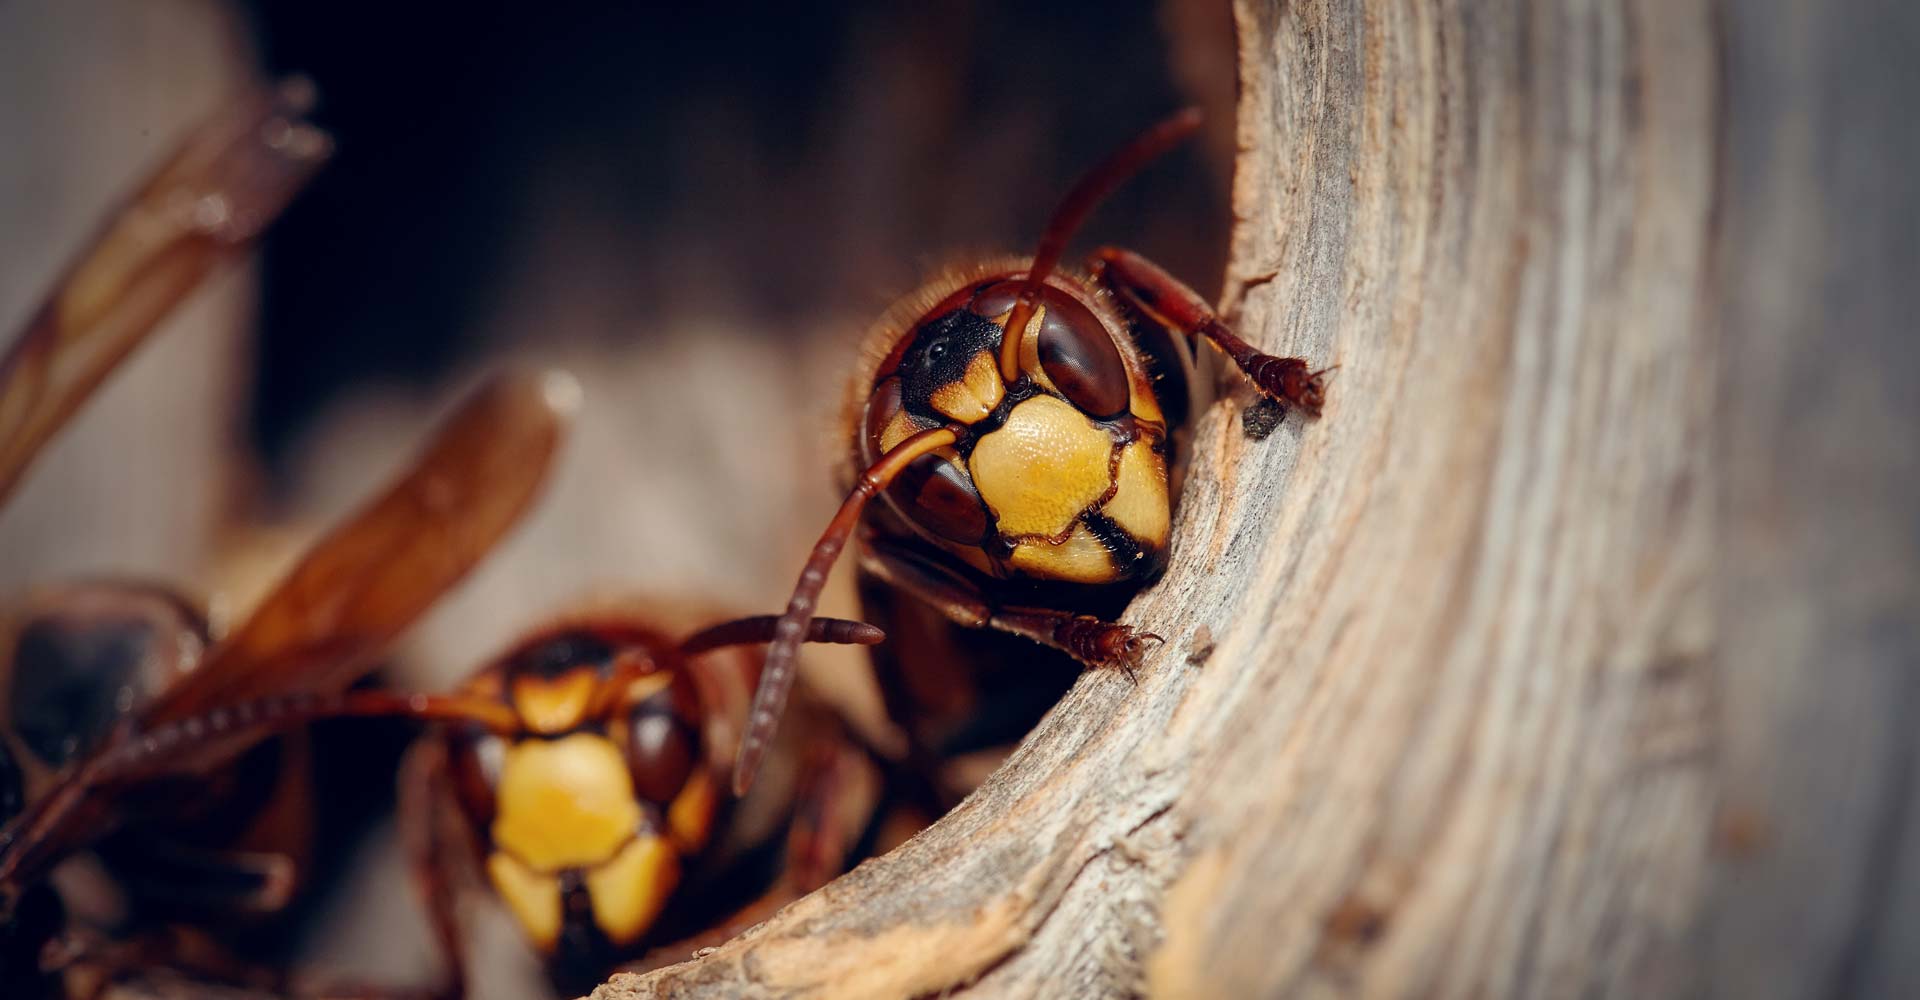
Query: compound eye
{"type": "Point", "coordinates": [558, 655]}
{"type": "Point", "coordinates": [941, 498]}
{"type": "Point", "coordinates": [88, 655]}
{"type": "Point", "coordinates": [1079, 355]}
{"type": "Point", "coordinates": [661, 748]}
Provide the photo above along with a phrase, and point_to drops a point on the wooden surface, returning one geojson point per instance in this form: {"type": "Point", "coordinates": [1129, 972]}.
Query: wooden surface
{"type": "Point", "coordinates": [1572, 652]}
{"type": "Point", "coordinates": [1819, 596]}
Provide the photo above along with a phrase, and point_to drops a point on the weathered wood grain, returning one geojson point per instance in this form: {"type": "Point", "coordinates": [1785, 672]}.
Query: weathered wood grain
{"type": "Point", "coordinates": [1573, 651]}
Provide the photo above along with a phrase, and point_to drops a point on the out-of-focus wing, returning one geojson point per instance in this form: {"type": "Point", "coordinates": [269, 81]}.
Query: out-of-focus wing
{"type": "Point", "coordinates": [201, 209]}
{"type": "Point", "coordinates": [321, 628]}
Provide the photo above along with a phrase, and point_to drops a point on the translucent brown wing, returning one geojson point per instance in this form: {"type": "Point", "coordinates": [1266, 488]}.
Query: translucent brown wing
{"type": "Point", "coordinates": [201, 209]}
{"type": "Point", "coordinates": [319, 630]}
{"type": "Point", "coordinates": [322, 626]}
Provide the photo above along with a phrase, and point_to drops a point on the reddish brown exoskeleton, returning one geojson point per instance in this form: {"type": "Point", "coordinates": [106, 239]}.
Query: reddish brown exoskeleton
{"type": "Point", "coordinates": [154, 780]}
{"type": "Point", "coordinates": [1025, 483]}
{"type": "Point", "coordinates": [581, 776]}
{"type": "Point", "coordinates": [125, 729]}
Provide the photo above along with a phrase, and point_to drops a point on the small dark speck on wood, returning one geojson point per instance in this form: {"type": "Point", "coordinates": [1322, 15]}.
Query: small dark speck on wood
{"type": "Point", "coordinates": [1261, 417]}
{"type": "Point", "coordinates": [1201, 647]}
{"type": "Point", "coordinates": [1356, 921]}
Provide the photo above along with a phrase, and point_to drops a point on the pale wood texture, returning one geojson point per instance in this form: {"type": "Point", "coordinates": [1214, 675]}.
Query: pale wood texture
{"type": "Point", "coordinates": [1572, 651]}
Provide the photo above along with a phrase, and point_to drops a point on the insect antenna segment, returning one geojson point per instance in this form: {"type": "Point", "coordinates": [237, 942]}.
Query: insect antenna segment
{"type": "Point", "coordinates": [1088, 193]}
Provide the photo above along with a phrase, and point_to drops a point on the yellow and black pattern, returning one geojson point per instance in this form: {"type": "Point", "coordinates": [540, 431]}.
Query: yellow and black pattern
{"type": "Point", "coordinates": [1061, 475]}
{"type": "Point", "coordinates": [588, 817]}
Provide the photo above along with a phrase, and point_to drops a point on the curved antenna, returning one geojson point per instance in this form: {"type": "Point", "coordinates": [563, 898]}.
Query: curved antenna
{"type": "Point", "coordinates": [760, 628]}
{"type": "Point", "coordinates": [1089, 191]}
{"type": "Point", "coordinates": [322, 626]}
{"type": "Point", "coordinates": [183, 747]}
{"type": "Point", "coordinates": [776, 676]}
{"type": "Point", "coordinates": [173, 747]}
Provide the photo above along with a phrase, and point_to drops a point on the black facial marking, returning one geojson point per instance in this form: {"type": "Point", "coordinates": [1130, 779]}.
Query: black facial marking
{"type": "Point", "coordinates": [1129, 559]}
{"type": "Point", "coordinates": [582, 953]}
{"type": "Point", "coordinates": [939, 355]}
{"type": "Point", "coordinates": [557, 654]}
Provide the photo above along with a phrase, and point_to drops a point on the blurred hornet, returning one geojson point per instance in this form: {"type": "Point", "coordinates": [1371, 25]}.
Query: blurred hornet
{"type": "Point", "coordinates": [127, 729]}
{"type": "Point", "coordinates": [1025, 483]}
{"type": "Point", "coordinates": [581, 773]}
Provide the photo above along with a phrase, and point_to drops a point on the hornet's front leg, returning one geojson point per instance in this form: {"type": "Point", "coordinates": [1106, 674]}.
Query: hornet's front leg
{"type": "Point", "coordinates": [1092, 641]}
{"type": "Point", "coordinates": [1169, 302]}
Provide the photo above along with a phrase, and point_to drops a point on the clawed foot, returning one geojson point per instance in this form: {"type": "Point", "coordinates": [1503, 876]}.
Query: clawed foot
{"type": "Point", "coordinates": [1289, 383]}
{"type": "Point", "coordinates": [1105, 645]}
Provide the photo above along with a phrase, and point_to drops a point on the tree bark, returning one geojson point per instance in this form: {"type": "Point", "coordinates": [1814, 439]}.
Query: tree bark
{"type": "Point", "coordinates": [1572, 651]}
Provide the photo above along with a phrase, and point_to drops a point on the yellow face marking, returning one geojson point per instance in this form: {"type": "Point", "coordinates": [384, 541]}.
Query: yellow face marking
{"type": "Point", "coordinates": [1140, 398]}
{"type": "Point", "coordinates": [1029, 339]}
{"type": "Point", "coordinates": [564, 803]}
{"type": "Point", "coordinates": [646, 686]}
{"type": "Point", "coordinates": [975, 394]}
{"type": "Point", "coordinates": [900, 428]}
{"type": "Point", "coordinates": [690, 816]}
{"type": "Point", "coordinates": [1043, 468]}
{"type": "Point", "coordinates": [534, 898]}
{"type": "Point", "coordinates": [982, 378]}
{"type": "Point", "coordinates": [629, 891]}
{"type": "Point", "coordinates": [1079, 559]}
{"type": "Point", "coordinates": [1030, 348]}
{"type": "Point", "coordinates": [554, 704]}
{"type": "Point", "coordinates": [1140, 506]}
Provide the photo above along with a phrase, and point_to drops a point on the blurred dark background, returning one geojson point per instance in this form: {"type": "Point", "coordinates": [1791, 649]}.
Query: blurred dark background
{"type": "Point", "coordinates": [613, 169]}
